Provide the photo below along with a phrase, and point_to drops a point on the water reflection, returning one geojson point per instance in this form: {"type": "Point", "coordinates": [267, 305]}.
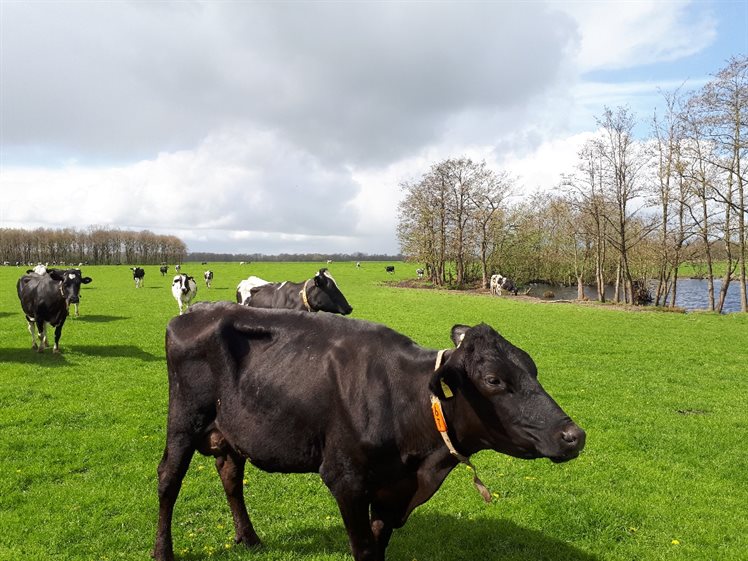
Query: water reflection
{"type": "Point", "coordinates": [692, 294]}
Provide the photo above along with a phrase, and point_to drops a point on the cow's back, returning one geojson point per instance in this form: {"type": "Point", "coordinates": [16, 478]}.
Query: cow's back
{"type": "Point", "coordinates": [282, 384]}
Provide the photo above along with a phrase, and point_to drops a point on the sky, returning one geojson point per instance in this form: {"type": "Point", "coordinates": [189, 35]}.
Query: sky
{"type": "Point", "coordinates": [288, 127]}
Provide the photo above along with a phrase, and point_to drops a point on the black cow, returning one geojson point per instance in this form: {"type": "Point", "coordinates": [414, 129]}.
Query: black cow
{"type": "Point", "coordinates": [389, 268]}
{"type": "Point", "coordinates": [360, 404]}
{"type": "Point", "coordinates": [318, 294]}
{"type": "Point", "coordinates": [163, 269]}
{"type": "Point", "coordinates": [45, 299]}
{"type": "Point", "coordinates": [137, 274]}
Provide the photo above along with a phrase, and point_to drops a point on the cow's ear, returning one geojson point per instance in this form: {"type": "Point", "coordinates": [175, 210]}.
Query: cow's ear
{"type": "Point", "coordinates": [458, 333]}
{"type": "Point", "coordinates": [55, 275]}
{"type": "Point", "coordinates": [86, 280]}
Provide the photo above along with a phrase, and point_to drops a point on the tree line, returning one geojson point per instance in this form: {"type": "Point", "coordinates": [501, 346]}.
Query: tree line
{"type": "Point", "coordinates": [632, 213]}
{"type": "Point", "coordinates": [285, 257]}
{"type": "Point", "coordinates": [95, 246]}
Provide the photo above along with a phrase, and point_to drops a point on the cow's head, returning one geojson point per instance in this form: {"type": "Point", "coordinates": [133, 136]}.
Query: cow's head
{"type": "Point", "coordinates": [70, 284]}
{"type": "Point", "coordinates": [498, 402]}
{"type": "Point", "coordinates": [183, 281]}
{"type": "Point", "coordinates": [327, 297]}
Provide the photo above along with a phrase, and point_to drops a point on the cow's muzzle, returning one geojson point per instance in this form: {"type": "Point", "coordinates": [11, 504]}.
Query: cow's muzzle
{"type": "Point", "coordinates": [571, 441]}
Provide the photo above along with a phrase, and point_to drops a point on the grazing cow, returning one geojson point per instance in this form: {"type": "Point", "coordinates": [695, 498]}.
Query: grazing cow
{"type": "Point", "coordinates": [137, 274]}
{"type": "Point", "coordinates": [46, 299]}
{"type": "Point", "coordinates": [500, 283]}
{"type": "Point", "coordinates": [208, 276]}
{"type": "Point", "coordinates": [419, 272]}
{"type": "Point", "coordinates": [381, 419]}
{"type": "Point", "coordinates": [318, 294]}
{"type": "Point", "coordinates": [389, 268]}
{"type": "Point", "coordinates": [163, 269]}
{"type": "Point", "coordinates": [184, 289]}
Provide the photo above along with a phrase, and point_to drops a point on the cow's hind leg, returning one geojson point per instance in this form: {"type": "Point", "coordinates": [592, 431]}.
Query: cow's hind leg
{"type": "Point", "coordinates": [42, 329]}
{"type": "Point", "coordinates": [231, 469]}
{"type": "Point", "coordinates": [32, 330]}
{"type": "Point", "coordinates": [171, 470]}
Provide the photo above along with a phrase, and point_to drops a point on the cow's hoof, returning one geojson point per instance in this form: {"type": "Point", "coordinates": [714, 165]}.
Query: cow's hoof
{"type": "Point", "coordinates": [56, 351]}
{"type": "Point", "coordinates": [250, 541]}
{"type": "Point", "coordinates": [34, 347]}
{"type": "Point", "coordinates": [40, 349]}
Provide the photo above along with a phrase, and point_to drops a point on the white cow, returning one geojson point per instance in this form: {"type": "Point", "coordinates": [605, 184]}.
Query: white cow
{"type": "Point", "coordinates": [244, 287]}
{"type": "Point", "coordinates": [184, 289]}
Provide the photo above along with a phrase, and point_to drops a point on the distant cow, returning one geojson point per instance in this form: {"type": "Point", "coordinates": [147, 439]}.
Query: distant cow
{"type": "Point", "coordinates": [46, 299]}
{"type": "Point", "coordinates": [382, 420]}
{"type": "Point", "coordinates": [500, 283]}
{"type": "Point", "coordinates": [208, 276]}
{"type": "Point", "coordinates": [184, 289]}
{"type": "Point", "coordinates": [177, 268]}
{"type": "Point", "coordinates": [389, 268]}
{"type": "Point", "coordinates": [163, 269]}
{"type": "Point", "coordinates": [137, 274]}
{"type": "Point", "coordinates": [419, 272]}
{"type": "Point", "coordinates": [317, 294]}
{"type": "Point", "coordinates": [358, 264]}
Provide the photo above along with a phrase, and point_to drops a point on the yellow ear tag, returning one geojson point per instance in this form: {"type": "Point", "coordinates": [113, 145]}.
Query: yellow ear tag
{"type": "Point", "coordinates": [446, 389]}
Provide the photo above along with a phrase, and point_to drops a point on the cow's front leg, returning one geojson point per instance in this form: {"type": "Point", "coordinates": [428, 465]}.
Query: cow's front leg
{"type": "Point", "coordinates": [354, 509]}
{"type": "Point", "coordinates": [58, 334]}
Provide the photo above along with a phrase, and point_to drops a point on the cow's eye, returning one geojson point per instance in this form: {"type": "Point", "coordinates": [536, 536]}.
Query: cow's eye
{"type": "Point", "coordinates": [495, 381]}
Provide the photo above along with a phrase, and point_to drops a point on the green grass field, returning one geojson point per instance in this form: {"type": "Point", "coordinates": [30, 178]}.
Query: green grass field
{"type": "Point", "coordinates": [663, 398]}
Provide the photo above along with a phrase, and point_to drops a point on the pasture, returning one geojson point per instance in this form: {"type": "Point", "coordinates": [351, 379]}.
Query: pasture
{"type": "Point", "coordinates": [663, 398]}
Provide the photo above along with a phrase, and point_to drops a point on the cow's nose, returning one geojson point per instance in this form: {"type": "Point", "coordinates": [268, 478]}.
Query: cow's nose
{"type": "Point", "coordinates": [573, 437]}
{"type": "Point", "coordinates": [74, 299]}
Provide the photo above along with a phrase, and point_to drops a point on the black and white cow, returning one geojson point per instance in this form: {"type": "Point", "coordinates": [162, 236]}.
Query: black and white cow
{"type": "Point", "coordinates": [382, 420]}
{"type": "Point", "coordinates": [163, 269]}
{"type": "Point", "coordinates": [244, 288]}
{"type": "Point", "coordinates": [208, 276]}
{"type": "Point", "coordinates": [184, 289]}
{"type": "Point", "coordinates": [500, 283]}
{"type": "Point", "coordinates": [137, 274]}
{"type": "Point", "coordinates": [419, 272]}
{"type": "Point", "coordinates": [317, 294]}
{"type": "Point", "coordinates": [45, 300]}
{"type": "Point", "coordinates": [389, 268]}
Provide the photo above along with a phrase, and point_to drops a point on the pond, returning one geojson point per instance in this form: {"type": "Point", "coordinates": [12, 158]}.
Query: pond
{"type": "Point", "coordinates": [692, 293]}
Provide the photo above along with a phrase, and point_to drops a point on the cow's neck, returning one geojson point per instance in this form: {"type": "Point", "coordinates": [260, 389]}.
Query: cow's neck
{"type": "Point", "coordinates": [442, 426]}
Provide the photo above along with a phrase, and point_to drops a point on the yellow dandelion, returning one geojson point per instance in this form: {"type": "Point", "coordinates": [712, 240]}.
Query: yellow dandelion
{"type": "Point", "coordinates": [675, 542]}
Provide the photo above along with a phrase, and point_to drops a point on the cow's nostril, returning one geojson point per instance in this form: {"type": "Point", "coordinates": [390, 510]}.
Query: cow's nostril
{"type": "Point", "coordinates": [573, 436]}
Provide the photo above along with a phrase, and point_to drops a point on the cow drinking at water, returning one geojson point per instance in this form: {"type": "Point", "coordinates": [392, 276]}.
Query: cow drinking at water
{"type": "Point", "coordinates": [358, 403]}
{"type": "Point", "coordinates": [45, 300]}
{"type": "Point", "coordinates": [317, 294]}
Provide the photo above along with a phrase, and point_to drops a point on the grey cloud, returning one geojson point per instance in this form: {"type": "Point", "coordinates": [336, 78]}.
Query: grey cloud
{"type": "Point", "coordinates": [361, 83]}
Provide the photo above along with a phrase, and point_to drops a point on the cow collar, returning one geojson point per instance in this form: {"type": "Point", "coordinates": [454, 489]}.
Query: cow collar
{"type": "Point", "coordinates": [441, 425]}
{"type": "Point", "coordinates": [304, 298]}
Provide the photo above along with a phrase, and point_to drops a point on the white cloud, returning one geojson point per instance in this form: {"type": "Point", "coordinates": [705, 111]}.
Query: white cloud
{"type": "Point", "coordinates": [618, 35]}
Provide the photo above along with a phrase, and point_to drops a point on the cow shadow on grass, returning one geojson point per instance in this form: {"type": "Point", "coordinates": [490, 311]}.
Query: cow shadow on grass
{"type": "Point", "coordinates": [115, 351]}
{"type": "Point", "coordinates": [98, 318]}
{"type": "Point", "coordinates": [27, 355]}
{"type": "Point", "coordinates": [429, 537]}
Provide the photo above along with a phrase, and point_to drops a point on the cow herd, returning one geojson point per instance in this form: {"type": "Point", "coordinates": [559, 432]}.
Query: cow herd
{"type": "Point", "coordinates": [382, 420]}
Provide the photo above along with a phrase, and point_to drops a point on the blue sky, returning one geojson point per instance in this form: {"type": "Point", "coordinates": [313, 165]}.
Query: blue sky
{"type": "Point", "coordinates": [288, 126]}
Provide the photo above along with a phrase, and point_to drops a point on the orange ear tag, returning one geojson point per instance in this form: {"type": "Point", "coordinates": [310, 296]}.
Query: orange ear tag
{"type": "Point", "coordinates": [436, 409]}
